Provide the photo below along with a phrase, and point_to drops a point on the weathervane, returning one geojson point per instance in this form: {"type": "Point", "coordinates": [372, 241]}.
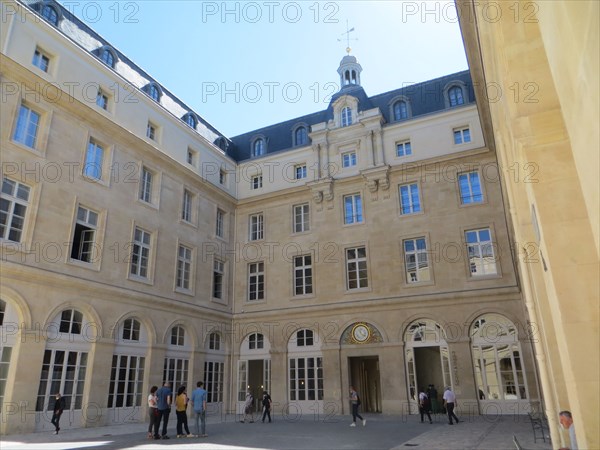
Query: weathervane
{"type": "Point", "coordinates": [347, 33]}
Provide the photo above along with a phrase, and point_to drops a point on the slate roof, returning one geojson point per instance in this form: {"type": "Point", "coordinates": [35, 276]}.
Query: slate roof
{"type": "Point", "coordinates": [424, 98]}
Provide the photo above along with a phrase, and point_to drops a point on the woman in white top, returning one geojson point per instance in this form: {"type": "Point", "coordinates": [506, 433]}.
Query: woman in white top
{"type": "Point", "coordinates": [152, 411]}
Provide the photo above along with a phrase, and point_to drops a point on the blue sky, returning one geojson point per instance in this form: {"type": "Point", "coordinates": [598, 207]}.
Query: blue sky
{"type": "Point", "coordinates": [245, 65]}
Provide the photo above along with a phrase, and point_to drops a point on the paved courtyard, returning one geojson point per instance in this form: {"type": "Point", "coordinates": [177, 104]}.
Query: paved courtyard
{"type": "Point", "coordinates": [316, 433]}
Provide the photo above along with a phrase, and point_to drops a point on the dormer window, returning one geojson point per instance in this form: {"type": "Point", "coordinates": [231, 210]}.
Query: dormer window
{"type": "Point", "coordinates": [400, 110]}
{"type": "Point", "coordinates": [346, 117]}
{"type": "Point", "coordinates": [258, 147]}
{"type": "Point", "coordinates": [107, 57]}
{"type": "Point", "coordinates": [300, 136]}
{"type": "Point", "coordinates": [154, 92]}
{"type": "Point", "coordinates": [455, 96]}
{"type": "Point", "coordinates": [221, 143]}
{"type": "Point", "coordinates": [50, 14]}
{"type": "Point", "coordinates": [191, 120]}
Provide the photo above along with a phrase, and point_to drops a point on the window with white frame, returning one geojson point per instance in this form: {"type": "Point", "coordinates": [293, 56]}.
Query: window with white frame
{"type": "Point", "coordinates": [258, 147]}
{"type": "Point", "coordinates": [356, 268]}
{"type": "Point", "coordinates": [480, 250]}
{"type": "Point", "coordinates": [416, 262]}
{"type": "Point", "coordinates": [214, 372]}
{"type": "Point", "coordinates": [14, 201]}
{"type": "Point", "coordinates": [186, 207]}
{"type": "Point", "coordinates": [256, 341]}
{"type": "Point", "coordinates": [256, 182]}
{"type": "Point", "coordinates": [218, 275]}
{"type": "Point", "coordinates": [470, 188]}
{"type": "Point", "coordinates": [94, 160]}
{"type": "Point", "coordinates": [191, 120]}
{"type": "Point", "coordinates": [462, 135]}
{"type": "Point", "coordinates": [305, 338]}
{"type": "Point", "coordinates": [175, 371]}
{"type": "Point", "coordinates": [349, 159]}
{"type": "Point", "coordinates": [306, 378]}
{"type": "Point", "coordinates": [220, 223]}
{"type": "Point", "coordinates": [5, 353]}
{"type": "Point", "coordinates": [303, 275]}
{"type": "Point", "coordinates": [256, 281]}
{"type": "Point", "coordinates": [107, 57]}
{"type": "Point", "coordinates": [300, 171]}
{"type": "Point", "coordinates": [62, 371]}
{"type": "Point", "coordinates": [178, 336]}
{"type": "Point", "coordinates": [184, 267]}
{"type": "Point", "coordinates": [455, 96]}
{"type": "Point", "coordinates": [154, 92]}
{"type": "Point", "coordinates": [400, 110]}
{"type": "Point", "coordinates": [146, 180]}
{"type": "Point", "coordinates": [131, 330]}
{"type": "Point", "coordinates": [403, 148]}
{"type": "Point", "coordinates": [41, 60]}
{"type": "Point", "coordinates": [409, 198]}
{"type": "Point", "coordinates": [126, 381]}
{"type": "Point", "coordinates": [28, 124]}
{"type": "Point", "coordinates": [214, 341]}
{"type": "Point", "coordinates": [300, 136]}
{"type": "Point", "coordinates": [151, 131]}
{"type": "Point", "coordinates": [71, 321]}
{"type": "Point", "coordinates": [301, 218]}
{"type": "Point", "coordinates": [346, 116]}
{"type": "Point", "coordinates": [84, 237]}
{"type": "Point", "coordinates": [102, 99]}
{"type": "Point", "coordinates": [256, 227]}
{"type": "Point", "coordinates": [353, 211]}
{"type": "Point", "coordinates": [140, 253]}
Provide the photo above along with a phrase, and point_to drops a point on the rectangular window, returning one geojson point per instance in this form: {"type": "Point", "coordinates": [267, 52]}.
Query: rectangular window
{"type": "Point", "coordinates": [300, 171]}
{"type": "Point", "coordinates": [5, 353]}
{"type": "Point", "coordinates": [126, 381]}
{"type": "Point", "coordinates": [256, 227]}
{"type": "Point", "coordinates": [462, 135]}
{"type": "Point", "coordinates": [218, 274]}
{"type": "Point", "coordinates": [102, 99]}
{"type": "Point", "coordinates": [416, 261]}
{"type": "Point", "coordinates": [353, 212]}
{"type": "Point", "coordinates": [13, 206]}
{"type": "Point", "coordinates": [41, 60]}
{"type": "Point", "coordinates": [175, 370]}
{"type": "Point", "coordinates": [213, 380]}
{"type": "Point", "coordinates": [306, 378]}
{"type": "Point", "coordinates": [409, 198]}
{"type": "Point", "coordinates": [257, 182]}
{"type": "Point", "coordinates": [356, 268]}
{"type": "Point", "coordinates": [220, 225]}
{"type": "Point", "coordinates": [94, 158]}
{"type": "Point", "coordinates": [62, 371]}
{"type": "Point", "coordinates": [256, 281]}
{"type": "Point", "coordinates": [301, 218]}
{"type": "Point", "coordinates": [186, 207]}
{"type": "Point", "coordinates": [480, 248]}
{"type": "Point", "coordinates": [28, 123]}
{"type": "Point", "coordinates": [146, 185]}
{"type": "Point", "coordinates": [349, 159]}
{"type": "Point", "coordinates": [403, 149]}
{"type": "Point", "coordinates": [140, 253]}
{"type": "Point", "coordinates": [192, 157]}
{"type": "Point", "coordinates": [151, 131]}
{"type": "Point", "coordinates": [303, 277]}
{"type": "Point", "coordinates": [85, 235]}
{"type": "Point", "coordinates": [184, 267]}
{"type": "Point", "coordinates": [222, 177]}
{"type": "Point", "coordinates": [470, 188]}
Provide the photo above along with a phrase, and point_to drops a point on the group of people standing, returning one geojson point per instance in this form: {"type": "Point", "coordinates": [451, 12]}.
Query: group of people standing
{"type": "Point", "coordinates": [428, 403]}
{"type": "Point", "coordinates": [249, 407]}
{"type": "Point", "coordinates": [159, 409]}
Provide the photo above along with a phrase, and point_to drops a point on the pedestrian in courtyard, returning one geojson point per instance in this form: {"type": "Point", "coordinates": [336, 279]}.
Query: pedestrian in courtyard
{"type": "Point", "coordinates": [164, 399]}
{"type": "Point", "coordinates": [199, 406]}
{"type": "Point", "coordinates": [424, 405]}
{"type": "Point", "coordinates": [266, 402]}
{"type": "Point", "coordinates": [566, 420]}
{"type": "Point", "coordinates": [152, 410]}
{"type": "Point", "coordinates": [355, 401]}
{"type": "Point", "coordinates": [248, 408]}
{"type": "Point", "coordinates": [59, 406]}
{"type": "Point", "coordinates": [433, 398]}
{"type": "Point", "coordinates": [181, 401]}
{"type": "Point", "coordinates": [450, 403]}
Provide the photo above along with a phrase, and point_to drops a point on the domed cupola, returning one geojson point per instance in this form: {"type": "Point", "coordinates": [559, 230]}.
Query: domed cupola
{"type": "Point", "coordinates": [349, 71]}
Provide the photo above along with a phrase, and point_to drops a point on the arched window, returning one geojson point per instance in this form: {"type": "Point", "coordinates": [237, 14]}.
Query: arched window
{"type": "Point", "coordinates": [190, 119]}
{"type": "Point", "coordinates": [70, 321]}
{"type": "Point", "coordinates": [256, 341]}
{"type": "Point", "coordinates": [50, 14]}
{"type": "Point", "coordinates": [154, 92]}
{"type": "Point", "coordinates": [131, 330]}
{"type": "Point", "coordinates": [214, 341]}
{"type": "Point", "coordinates": [177, 336]}
{"type": "Point", "coordinates": [107, 57]}
{"type": "Point", "coordinates": [455, 96]}
{"type": "Point", "coordinates": [258, 147]}
{"type": "Point", "coordinates": [400, 110]}
{"type": "Point", "coordinates": [300, 136]}
{"type": "Point", "coordinates": [346, 116]}
{"type": "Point", "coordinates": [221, 143]}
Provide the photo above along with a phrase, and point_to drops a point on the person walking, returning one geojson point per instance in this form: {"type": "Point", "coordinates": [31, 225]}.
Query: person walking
{"type": "Point", "coordinates": [450, 402]}
{"type": "Point", "coordinates": [181, 401]}
{"type": "Point", "coordinates": [59, 406]}
{"type": "Point", "coordinates": [164, 399]}
{"type": "Point", "coordinates": [433, 398]}
{"type": "Point", "coordinates": [266, 402]}
{"type": "Point", "coordinates": [355, 401]}
{"type": "Point", "coordinates": [152, 411]}
{"type": "Point", "coordinates": [424, 405]}
{"type": "Point", "coordinates": [199, 406]}
{"type": "Point", "coordinates": [248, 408]}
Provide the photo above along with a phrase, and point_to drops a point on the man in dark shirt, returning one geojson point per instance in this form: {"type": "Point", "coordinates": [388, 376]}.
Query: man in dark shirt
{"type": "Point", "coordinates": [164, 399]}
{"type": "Point", "coordinates": [59, 406]}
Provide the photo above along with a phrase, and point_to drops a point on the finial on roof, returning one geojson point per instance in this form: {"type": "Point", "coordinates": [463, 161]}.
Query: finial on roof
{"type": "Point", "coordinates": [347, 33]}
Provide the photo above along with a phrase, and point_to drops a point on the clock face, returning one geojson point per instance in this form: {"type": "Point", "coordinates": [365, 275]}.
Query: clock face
{"type": "Point", "coordinates": [361, 333]}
